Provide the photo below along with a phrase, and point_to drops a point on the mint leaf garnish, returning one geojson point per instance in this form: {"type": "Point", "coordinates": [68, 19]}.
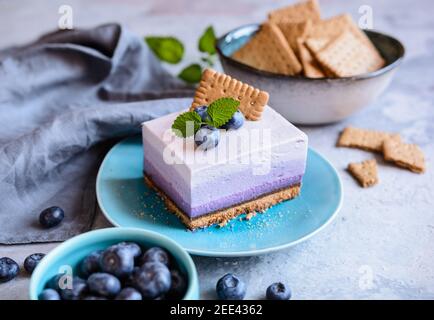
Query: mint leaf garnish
{"type": "Point", "coordinates": [186, 124]}
{"type": "Point", "coordinates": [207, 41]}
{"type": "Point", "coordinates": [168, 49]}
{"type": "Point", "coordinates": [222, 110]}
{"type": "Point", "coordinates": [191, 74]}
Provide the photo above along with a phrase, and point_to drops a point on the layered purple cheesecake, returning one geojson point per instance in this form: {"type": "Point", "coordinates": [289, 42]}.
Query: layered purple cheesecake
{"type": "Point", "coordinates": [252, 168]}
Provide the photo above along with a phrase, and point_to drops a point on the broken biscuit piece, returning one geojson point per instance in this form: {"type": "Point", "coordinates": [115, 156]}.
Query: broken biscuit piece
{"type": "Point", "coordinates": [408, 156]}
{"type": "Point", "coordinates": [365, 172]}
{"type": "Point", "coordinates": [365, 139]}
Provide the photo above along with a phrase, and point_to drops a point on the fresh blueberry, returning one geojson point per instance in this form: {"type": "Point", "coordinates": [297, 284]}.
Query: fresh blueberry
{"type": "Point", "coordinates": [235, 122]}
{"type": "Point", "coordinates": [129, 294]}
{"type": "Point", "coordinates": [59, 280]}
{"type": "Point", "coordinates": [278, 291]}
{"type": "Point", "coordinates": [117, 260]}
{"type": "Point", "coordinates": [154, 254]}
{"type": "Point", "coordinates": [32, 261]}
{"type": "Point", "coordinates": [207, 137]}
{"type": "Point", "coordinates": [152, 280]}
{"type": "Point", "coordinates": [8, 269]}
{"type": "Point", "coordinates": [201, 111]}
{"type": "Point", "coordinates": [49, 294]}
{"type": "Point", "coordinates": [92, 297]}
{"type": "Point", "coordinates": [230, 287]}
{"type": "Point", "coordinates": [178, 286]}
{"type": "Point", "coordinates": [104, 284]}
{"type": "Point", "coordinates": [128, 281]}
{"type": "Point", "coordinates": [51, 217]}
{"type": "Point", "coordinates": [74, 290]}
{"type": "Point", "coordinates": [91, 263]}
{"type": "Point", "coordinates": [135, 249]}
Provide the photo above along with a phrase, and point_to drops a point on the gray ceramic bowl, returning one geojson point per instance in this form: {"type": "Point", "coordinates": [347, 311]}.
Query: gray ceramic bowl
{"type": "Point", "coordinates": [313, 101]}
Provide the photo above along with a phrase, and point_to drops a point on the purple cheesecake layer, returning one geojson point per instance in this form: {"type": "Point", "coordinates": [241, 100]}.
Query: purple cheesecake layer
{"type": "Point", "coordinates": [220, 203]}
{"type": "Point", "coordinates": [246, 195]}
{"type": "Point", "coordinates": [167, 187]}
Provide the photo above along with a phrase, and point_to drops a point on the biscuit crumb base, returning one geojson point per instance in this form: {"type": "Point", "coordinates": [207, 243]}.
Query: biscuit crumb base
{"type": "Point", "coordinates": [365, 172]}
{"type": "Point", "coordinates": [222, 217]}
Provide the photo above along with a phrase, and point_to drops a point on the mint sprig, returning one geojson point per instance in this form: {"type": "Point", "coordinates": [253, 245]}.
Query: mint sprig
{"type": "Point", "coordinates": [191, 74]}
{"type": "Point", "coordinates": [222, 110]}
{"type": "Point", "coordinates": [167, 49]}
{"type": "Point", "coordinates": [171, 50]}
{"type": "Point", "coordinates": [219, 112]}
{"type": "Point", "coordinates": [207, 41]}
{"type": "Point", "coordinates": [186, 124]}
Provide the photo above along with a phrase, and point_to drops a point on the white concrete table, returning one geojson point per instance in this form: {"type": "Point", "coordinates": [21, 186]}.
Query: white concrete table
{"type": "Point", "coordinates": [381, 244]}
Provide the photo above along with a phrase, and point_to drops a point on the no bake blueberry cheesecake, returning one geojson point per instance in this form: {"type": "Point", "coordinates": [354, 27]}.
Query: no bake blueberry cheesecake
{"type": "Point", "coordinates": [229, 154]}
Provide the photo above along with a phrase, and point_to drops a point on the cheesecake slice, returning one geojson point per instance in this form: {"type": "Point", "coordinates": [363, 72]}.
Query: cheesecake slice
{"type": "Point", "coordinates": [250, 170]}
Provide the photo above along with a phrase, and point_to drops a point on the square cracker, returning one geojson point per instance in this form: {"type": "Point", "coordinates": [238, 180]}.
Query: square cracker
{"type": "Point", "coordinates": [347, 56]}
{"type": "Point", "coordinates": [311, 67]}
{"type": "Point", "coordinates": [302, 11]}
{"type": "Point", "coordinates": [268, 50]}
{"type": "Point", "coordinates": [364, 172]}
{"type": "Point", "coordinates": [365, 139]}
{"type": "Point", "coordinates": [408, 156]}
{"type": "Point", "coordinates": [316, 44]}
{"type": "Point", "coordinates": [333, 27]}
{"type": "Point", "coordinates": [295, 32]}
{"type": "Point", "coordinates": [214, 85]}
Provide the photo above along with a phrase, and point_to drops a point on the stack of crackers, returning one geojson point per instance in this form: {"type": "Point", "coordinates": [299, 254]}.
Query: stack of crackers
{"type": "Point", "coordinates": [295, 40]}
{"type": "Point", "coordinates": [394, 150]}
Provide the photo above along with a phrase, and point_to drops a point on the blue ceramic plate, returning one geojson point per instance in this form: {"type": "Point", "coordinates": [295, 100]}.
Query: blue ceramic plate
{"type": "Point", "coordinates": [127, 202]}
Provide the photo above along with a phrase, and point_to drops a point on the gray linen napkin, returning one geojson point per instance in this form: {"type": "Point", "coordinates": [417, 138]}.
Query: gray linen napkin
{"type": "Point", "coordinates": [64, 100]}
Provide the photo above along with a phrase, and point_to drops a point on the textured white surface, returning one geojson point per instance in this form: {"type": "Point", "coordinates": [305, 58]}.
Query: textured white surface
{"type": "Point", "coordinates": [381, 244]}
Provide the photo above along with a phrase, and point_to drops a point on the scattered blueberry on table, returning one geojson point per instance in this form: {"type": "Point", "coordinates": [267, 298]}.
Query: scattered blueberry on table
{"type": "Point", "coordinates": [278, 291]}
{"type": "Point", "coordinates": [123, 271]}
{"type": "Point", "coordinates": [9, 269]}
{"type": "Point", "coordinates": [51, 217]}
{"type": "Point", "coordinates": [230, 287]}
{"type": "Point", "coordinates": [32, 261]}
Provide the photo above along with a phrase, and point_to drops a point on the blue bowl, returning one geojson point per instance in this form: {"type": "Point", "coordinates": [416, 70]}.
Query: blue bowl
{"type": "Point", "coordinates": [72, 251]}
{"type": "Point", "coordinates": [309, 101]}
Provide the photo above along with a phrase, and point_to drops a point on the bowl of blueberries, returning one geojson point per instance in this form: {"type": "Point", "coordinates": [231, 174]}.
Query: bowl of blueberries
{"type": "Point", "coordinates": [116, 264]}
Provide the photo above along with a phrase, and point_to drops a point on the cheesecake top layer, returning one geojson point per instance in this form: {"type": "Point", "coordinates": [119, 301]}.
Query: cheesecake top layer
{"type": "Point", "coordinates": [254, 137]}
